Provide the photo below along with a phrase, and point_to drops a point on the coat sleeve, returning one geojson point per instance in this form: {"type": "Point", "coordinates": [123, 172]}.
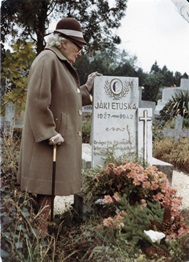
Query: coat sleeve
{"type": "Point", "coordinates": [39, 99]}
{"type": "Point", "coordinates": [86, 97]}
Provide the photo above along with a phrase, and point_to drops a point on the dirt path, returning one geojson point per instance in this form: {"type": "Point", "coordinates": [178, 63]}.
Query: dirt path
{"type": "Point", "coordinates": [180, 181]}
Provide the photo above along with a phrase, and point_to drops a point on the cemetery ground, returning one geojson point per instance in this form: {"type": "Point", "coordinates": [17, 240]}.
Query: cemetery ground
{"type": "Point", "coordinates": [113, 230]}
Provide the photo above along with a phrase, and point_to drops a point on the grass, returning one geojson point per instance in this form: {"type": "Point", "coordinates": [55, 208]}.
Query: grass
{"type": "Point", "coordinates": [175, 153]}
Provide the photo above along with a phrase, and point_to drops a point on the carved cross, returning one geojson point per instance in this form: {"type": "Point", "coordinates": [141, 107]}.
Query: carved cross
{"type": "Point", "coordinates": [145, 118]}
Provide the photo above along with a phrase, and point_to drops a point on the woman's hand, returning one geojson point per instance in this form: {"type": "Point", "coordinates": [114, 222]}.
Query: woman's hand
{"type": "Point", "coordinates": [90, 81]}
{"type": "Point", "coordinates": [56, 140]}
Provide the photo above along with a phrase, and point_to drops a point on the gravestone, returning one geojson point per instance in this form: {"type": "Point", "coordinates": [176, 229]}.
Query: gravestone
{"type": "Point", "coordinates": [9, 119]}
{"type": "Point", "coordinates": [12, 119]}
{"type": "Point", "coordinates": [116, 120]}
{"type": "Point", "coordinates": [178, 131]}
{"type": "Point", "coordinates": [169, 92]}
{"type": "Point", "coordinates": [119, 124]}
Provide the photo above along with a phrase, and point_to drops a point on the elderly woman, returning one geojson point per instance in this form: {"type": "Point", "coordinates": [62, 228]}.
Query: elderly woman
{"type": "Point", "coordinates": [54, 116]}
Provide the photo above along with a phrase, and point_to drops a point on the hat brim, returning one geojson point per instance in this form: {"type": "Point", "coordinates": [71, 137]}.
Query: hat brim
{"type": "Point", "coordinates": [80, 41]}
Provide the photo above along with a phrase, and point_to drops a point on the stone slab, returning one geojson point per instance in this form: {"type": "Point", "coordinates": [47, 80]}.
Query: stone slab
{"type": "Point", "coordinates": [164, 167]}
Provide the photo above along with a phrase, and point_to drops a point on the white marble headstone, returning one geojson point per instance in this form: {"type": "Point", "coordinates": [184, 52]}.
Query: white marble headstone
{"type": "Point", "coordinates": [115, 104]}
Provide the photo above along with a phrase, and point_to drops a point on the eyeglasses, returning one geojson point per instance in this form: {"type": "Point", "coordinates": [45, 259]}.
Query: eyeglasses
{"type": "Point", "coordinates": [78, 47]}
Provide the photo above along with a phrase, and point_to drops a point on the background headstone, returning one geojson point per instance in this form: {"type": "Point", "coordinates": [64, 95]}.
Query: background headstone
{"type": "Point", "coordinates": [178, 131]}
{"type": "Point", "coordinates": [169, 92]}
{"type": "Point", "coordinates": [9, 119]}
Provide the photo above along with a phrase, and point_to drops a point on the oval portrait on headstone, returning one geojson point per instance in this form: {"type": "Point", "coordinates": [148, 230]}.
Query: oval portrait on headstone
{"type": "Point", "coordinates": [116, 86]}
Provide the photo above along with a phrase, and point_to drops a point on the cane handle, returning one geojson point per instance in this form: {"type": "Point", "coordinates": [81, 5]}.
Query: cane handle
{"type": "Point", "coordinates": [54, 153]}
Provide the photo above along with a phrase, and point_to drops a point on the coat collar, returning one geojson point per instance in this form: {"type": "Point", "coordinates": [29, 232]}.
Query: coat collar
{"type": "Point", "coordinates": [59, 55]}
{"type": "Point", "coordinates": [57, 52]}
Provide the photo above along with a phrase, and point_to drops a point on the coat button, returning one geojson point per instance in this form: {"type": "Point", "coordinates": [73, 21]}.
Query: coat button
{"type": "Point", "coordinates": [78, 90]}
{"type": "Point", "coordinates": [79, 133]}
{"type": "Point", "coordinates": [80, 112]}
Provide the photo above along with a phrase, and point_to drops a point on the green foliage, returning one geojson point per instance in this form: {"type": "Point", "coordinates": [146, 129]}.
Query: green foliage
{"type": "Point", "coordinates": [158, 78]}
{"type": "Point", "coordinates": [157, 126]}
{"type": "Point", "coordinates": [186, 122]}
{"type": "Point", "coordinates": [97, 18]}
{"type": "Point", "coordinates": [135, 222]}
{"type": "Point", "coordinates": [108, 61]}
{"type": "Point", "coordinates": [20, 240]}
{"type": "Point", "coordinates": [86, 129]}
{"type": "Point", "coordinates": [15, 73]}
{"type": "Point", "coordinates": [152, 84]}
{"type": "Point", "coordinates": [125, 70]}
{"type": "Point", "coordinates": [98, 21]}
{"type": "Point", "coordinates": [129, 206]}
{"type": "Point", "coordinates": [178, 105]}
{"type": "Point", "coordinates": [177, 248]}
{"type": "Point", "coordinates": [168, 78]}
{"type": "Point", "coordinates": [90, 242]}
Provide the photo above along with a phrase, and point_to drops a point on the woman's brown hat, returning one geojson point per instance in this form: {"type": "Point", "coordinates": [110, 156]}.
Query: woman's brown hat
{"type": "Point", "coordinates": [70, 28]}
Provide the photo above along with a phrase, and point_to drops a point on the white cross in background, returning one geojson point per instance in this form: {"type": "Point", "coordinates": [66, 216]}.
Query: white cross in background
{"type": "Point", "coordinates": [145, 118]}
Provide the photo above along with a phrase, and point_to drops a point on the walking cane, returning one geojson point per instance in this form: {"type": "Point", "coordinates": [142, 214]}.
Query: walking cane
{"type": "Point", "coordinates": [53, 182]}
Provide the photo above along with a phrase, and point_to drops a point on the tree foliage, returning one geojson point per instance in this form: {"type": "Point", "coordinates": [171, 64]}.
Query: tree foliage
{"type": "Point", "coordinates": [15, 72]}
{"type": "Point", "coordinates": [152, 84]}
{"type": "Point", "coordinates": [156, 79]}
{"type": "Point", "coordinates": [29, 19]}
{"type": "Point", "coordinates": [110, 61]}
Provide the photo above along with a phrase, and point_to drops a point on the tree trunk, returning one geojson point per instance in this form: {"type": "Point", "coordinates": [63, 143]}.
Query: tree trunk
{"type": "Point", "coordinates": [40, 30]}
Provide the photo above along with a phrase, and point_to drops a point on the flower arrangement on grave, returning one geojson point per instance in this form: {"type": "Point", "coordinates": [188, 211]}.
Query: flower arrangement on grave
{"type": "Point", "coordinates": [139, 203]}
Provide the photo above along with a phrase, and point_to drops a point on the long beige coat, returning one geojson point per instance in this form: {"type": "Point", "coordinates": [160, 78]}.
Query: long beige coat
{"type": "Point", "coordinates": [54, 104]}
